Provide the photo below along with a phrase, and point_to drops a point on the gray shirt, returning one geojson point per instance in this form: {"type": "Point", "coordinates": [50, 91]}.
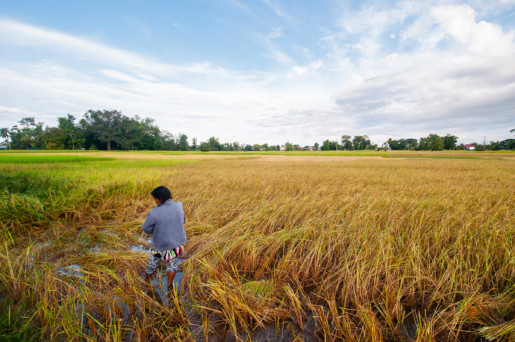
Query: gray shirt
{"type": "Point", "coordinates": [166, 224]}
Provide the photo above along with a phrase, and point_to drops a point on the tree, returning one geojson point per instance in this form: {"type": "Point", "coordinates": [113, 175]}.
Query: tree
{"type": "Point", "coordinates": [508, 144]}
{"type": "Point", "coordinates": [361, 142]}
{"type": "Point", "coordinates": [167, 142]}
{"type": "Point", "coordinates": [412, 143]}
{"type": "Point", "coordinates": [432, 142]}
{"type": "Point", "coordinates": [450, 142]}
{"type": "Point", "coordinates": [183, 142]}
{"type": "Point", "coordinates": [288, 146]}
{"type": "Point", "coordinates": [139, 134]}
{"type": "Point", "coordinates": [67, 124]}
{"type": "Point", "coordinates": [495, 145]}
{"type": "Point", "coordinates": [247, 148]}
{"type": "Point", "coordinates": [29, 136]}
{"type": "Point", "coordinates": [393, 144]}
{"type": "Point", "coordinates": [105, 126]}
{"type": "Point", "coordinates": [55, 138]}
{"type": "Point", "coordinates": [204, 146]}
{"type": "Point", "coordinates": [6, 134]}
{"type": "Point", "coordinates": [28, 122]}
{"type": "Point", "coordinates": [194, 144]}
{"type": "Point", "coordinates": [346, 142]}
{"type": "Point", "coordinates": [315, 146]}
{"type": "Point", "coordinates": [326, 145]}
{"type": "Point", "coordinates": [214, 144]}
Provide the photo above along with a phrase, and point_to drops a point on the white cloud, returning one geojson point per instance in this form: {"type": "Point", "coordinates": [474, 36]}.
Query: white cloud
{"type": "Point", "coordinates": [299, 70]}
{"type": "Point", "coordinates": [482, 38]}
{"type": "Point", "coordinates": [456, 74]}
{"type": "Point", "coordinates": [450, 73]}
{"type": "Point", "coordinates": [279, 56]}
{"type": "Point", "coordinates": [276, 33]}
{"type": "Point", "coordinates": [278, 10]}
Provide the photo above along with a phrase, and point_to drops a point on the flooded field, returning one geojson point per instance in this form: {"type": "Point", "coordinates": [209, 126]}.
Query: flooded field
{"type": "Point", "coordinates": [280, 247]}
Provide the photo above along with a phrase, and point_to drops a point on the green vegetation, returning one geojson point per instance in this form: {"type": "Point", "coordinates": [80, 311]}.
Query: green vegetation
{"type": "Point", "coordinates": [329, 246]}
{"type": "Point", "coordinates": [111, 130]}
{"type": "Point", "coordinates": [46, 159]}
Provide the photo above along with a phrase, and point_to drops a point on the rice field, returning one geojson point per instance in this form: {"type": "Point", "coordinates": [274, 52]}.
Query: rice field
{"type": "Point", "coordinates": [281, 247]}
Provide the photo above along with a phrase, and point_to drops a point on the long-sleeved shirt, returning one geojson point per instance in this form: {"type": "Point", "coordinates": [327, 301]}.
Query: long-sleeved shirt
{"type": "Point", "coordinates": [166, 224]}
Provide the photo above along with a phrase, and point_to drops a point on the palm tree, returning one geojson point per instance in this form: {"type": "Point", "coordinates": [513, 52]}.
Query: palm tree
{"type": "Point", "coordinates": [5, 133]}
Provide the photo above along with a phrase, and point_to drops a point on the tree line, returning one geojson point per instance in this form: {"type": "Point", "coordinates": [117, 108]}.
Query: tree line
{"type": "Point", "coordinates": [111, 130]}
{"type": "Point", "coordinates": [100, 129]}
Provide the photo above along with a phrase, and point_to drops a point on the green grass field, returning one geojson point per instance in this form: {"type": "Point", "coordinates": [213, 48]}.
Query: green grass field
{"type": "Point", "coordinates": [298, 246]}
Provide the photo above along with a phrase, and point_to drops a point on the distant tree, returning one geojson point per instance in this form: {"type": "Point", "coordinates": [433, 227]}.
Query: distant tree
{"type": "Point", "coordinates": [28, 122]}
{"type": "Point", "coordinates": [183, 142]}
{"type": "Point", "coordinates": [392, 144]}
{"type": "Point", "coordinates": [412, 143]}
{"type": "Point", "coordinates": [204, 146]}
{"type": "Point", "coordinates": [6, 134]}
{"type": "Point", "coordinates": [346, 142]}
{"type": "Point", "coordinates": [289, 146]}
{"type": "Point", "coordinates": [214, 144]}
{"type": "Point", "coordinates": [449, 142]}
{"type": "Point", "coordinates": [67, 124]}
{"type": "Point", "coordinates": [266, 147]}
{"type": "Point", "coordinates": [315, 146]}
{"type": "Point", "coordinates": [104, 126]}
{"type": "Point", "coordinates": [29, 136]}
{"type": "Point", "coordinates": [144, 134]}
{"type": "Point", "coordinates": [361, 142]}
{"type": "Point", "coordinates": [432, 142]}
{"type": "Point", "coordinates": [247, 148]}
{"type": "Point", "coordinates": [494, 145]}
{"type": "Point", "coordinates": [385, 146]}
{"type": "Point", "coordinates": [508, 144]}
{"type": "Point", "coordinates": [54, 138]}
{"type": "Point", "coordinates": [401, 144]}
{"type": "Point", "coordinates": [256, 147]}
{"type": "Point", "coordinates": [167, 141]}
{"type": "Point", "coordinates": [194, 144]}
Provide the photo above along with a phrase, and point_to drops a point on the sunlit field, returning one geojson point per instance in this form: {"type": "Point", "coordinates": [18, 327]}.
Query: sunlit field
{"type": "Point", "coordinates": [281, 246]}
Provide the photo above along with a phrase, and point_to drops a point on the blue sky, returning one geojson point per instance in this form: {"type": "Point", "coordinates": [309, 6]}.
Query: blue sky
{"type": "Point", "coordinates": [266, 71]}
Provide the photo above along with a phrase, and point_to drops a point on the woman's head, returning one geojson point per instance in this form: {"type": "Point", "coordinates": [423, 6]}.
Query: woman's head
{"type": "Point", "coordinates": [161, 193]}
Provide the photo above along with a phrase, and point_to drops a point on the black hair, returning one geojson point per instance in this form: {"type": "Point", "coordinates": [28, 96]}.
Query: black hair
{"type": "Point", "coordinates": [161, 193]}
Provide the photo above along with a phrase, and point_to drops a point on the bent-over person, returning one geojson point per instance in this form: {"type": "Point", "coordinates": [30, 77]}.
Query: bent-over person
{"type": "Point", "coordinates": [165, 222]}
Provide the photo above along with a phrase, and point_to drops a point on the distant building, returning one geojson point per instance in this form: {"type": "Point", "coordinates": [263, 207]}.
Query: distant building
{"type": "Point", "coordinates": [283, 148]}
{"type": "Point", "coordinates": [470, 147]}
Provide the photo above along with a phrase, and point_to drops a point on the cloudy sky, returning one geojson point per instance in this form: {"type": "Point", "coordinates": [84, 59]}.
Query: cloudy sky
{"type": "Point", "coordinates": [266, 70]}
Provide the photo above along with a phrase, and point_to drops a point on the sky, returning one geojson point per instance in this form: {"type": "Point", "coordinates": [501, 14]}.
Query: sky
{"type": "Point", "coordinates": [266, 71]}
